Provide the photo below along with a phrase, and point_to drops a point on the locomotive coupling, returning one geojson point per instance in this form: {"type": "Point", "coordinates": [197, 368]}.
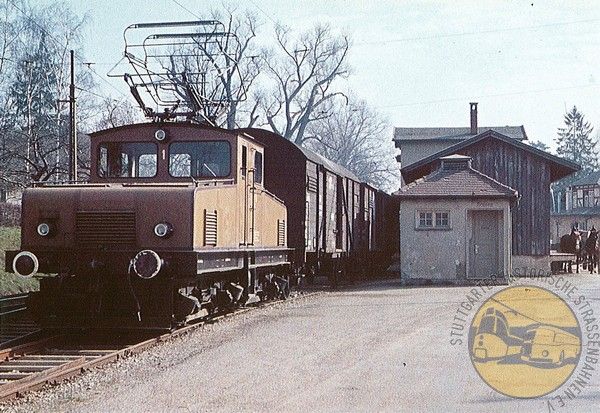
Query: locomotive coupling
{"type": "Point", "coordinates": [146, 264]}
{"type": "Point", "coordinates": [25, 264]}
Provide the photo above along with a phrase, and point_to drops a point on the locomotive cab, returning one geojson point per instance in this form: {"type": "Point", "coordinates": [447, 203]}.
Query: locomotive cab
{"type": "Point", "coordinates": [173, 223]}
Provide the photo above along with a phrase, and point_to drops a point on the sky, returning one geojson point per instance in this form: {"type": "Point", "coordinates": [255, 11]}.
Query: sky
{"type": "Point", "coordinates": [419, 63]}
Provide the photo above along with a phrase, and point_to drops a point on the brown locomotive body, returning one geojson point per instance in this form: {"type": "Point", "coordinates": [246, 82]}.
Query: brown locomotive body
{"type": "Point", "coordinates": [175, 220]}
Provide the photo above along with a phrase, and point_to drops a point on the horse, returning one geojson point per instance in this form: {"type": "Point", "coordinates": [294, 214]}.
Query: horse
{"type": "Point", "coordinates": [592, 250]}
{"type": "Point", "coordinates": [571, 244]}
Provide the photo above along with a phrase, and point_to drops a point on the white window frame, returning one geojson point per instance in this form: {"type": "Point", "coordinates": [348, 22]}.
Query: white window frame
{"type": "Point", "coordinates": [434, 213]}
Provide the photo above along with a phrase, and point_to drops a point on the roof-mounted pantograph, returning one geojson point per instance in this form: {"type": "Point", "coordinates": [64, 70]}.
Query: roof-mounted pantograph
{"type": "Point", "coordinates": [177, 69]}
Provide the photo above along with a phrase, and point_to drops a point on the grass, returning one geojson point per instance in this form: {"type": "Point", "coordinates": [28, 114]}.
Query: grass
{"type": "Point", "coordinates": [10, 239]}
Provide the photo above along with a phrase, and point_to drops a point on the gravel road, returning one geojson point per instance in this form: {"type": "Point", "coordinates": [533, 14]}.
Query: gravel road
{"type": "Point", "coordinates": [377, 347]}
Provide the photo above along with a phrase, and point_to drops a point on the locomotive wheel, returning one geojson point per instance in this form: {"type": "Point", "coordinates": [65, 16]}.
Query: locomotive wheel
{"type": "Point", "coordinates": [284, 288]}
{"type": "Point", "coordinates": [271, 290]}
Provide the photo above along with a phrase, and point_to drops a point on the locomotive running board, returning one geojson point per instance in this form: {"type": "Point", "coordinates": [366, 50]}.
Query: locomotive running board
{"type": "Point", "coordinates": [222, 260]}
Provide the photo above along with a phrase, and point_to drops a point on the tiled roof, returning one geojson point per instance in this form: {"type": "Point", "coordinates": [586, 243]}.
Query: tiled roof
{"type": "Point", "coordinates": [455, 183]}
{"type": "Point", "coordinates": [419, 134]}
{"type": "Point", "coordinates": [590, 179]}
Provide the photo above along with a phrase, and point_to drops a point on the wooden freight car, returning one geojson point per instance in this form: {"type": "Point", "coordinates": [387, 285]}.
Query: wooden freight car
{"type": "Point", "coordinates": [332, 214]}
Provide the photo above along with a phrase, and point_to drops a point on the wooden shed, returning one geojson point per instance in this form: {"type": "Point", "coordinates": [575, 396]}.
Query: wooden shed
{"type": "Point", "coordinates": [526, 169]}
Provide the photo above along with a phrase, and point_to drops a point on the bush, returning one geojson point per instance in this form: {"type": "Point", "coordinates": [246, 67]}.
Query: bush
{"type": "Point", "coordinates": [10, 215]}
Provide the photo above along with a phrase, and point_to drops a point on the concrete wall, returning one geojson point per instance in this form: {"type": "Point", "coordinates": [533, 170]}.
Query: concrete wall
{"type": "Point", "coordinates": [441, 255]}
{"type": "Point", "coordinates": [527, 265]}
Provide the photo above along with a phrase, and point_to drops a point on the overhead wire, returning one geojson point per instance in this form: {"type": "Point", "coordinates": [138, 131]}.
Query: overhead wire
{"type": "Point", "coordinates": [449, 35]}
{"type": "Point", "coordinates": [475, 33]}
{"type": "Point", "coordinates": [524, 92]}
{"type": "Point", "coordinates": [186, 9]}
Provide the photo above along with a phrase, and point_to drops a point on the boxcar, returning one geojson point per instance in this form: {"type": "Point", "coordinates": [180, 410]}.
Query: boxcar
{"type": "Point", "coordinates": [333, 215]}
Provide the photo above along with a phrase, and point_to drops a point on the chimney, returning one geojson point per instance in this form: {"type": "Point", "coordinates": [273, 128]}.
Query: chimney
{"type": "Point", "coordinates": [473, 118]}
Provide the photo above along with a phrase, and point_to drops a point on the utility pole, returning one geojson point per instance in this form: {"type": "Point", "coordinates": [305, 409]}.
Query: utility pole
{"type": "Point", "coordinates": [73, 129]}
{"type": "Point", "coordinates": [28, 66]}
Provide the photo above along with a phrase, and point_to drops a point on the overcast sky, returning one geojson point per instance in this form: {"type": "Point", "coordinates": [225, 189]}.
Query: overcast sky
{"type": "Point", "coordinates": [422, 62]}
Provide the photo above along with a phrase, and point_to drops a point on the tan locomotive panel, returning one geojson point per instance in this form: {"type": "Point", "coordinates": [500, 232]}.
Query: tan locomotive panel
{"type": "Point", "coordinates": [246, 215]}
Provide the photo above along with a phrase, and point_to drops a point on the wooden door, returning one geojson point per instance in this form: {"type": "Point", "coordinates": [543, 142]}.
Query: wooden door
{"type": "Point", "coordinates": [484, 246]}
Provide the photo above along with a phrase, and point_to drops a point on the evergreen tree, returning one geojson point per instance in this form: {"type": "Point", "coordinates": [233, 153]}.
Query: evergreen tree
{"type": "Point", "coordinates": [540, 145]}
{"type": "Point", "coordinates": [574, 141]}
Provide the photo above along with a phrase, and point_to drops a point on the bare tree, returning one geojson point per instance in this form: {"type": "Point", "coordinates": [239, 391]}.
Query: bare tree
{"type": "Point", "coordinates": [115, 113]}
{"type": "Point", "coordinates": [356, 136]}
{"type": "Point", "coordinates": [303, 71]}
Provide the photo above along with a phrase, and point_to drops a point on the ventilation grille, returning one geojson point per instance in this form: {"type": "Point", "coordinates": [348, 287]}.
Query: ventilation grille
{"type": "Point", "coordinates": [311, 183]}
{"type": "Point", "coordinates": [455, 165]}
{"type": "Point", "coordinates": [210, 228]}
{"type": "Point", "coordinates": [280, 233]}
{"type": "Point", "coordinates": [105, 227]}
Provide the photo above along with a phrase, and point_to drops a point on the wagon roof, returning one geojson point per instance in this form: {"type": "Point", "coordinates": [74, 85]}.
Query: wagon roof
{"type": "Point", "coordinates": [465, 182]}
{"type": "Point", "coordinates": [559, 167]}
{"type": "Point", "coordinates": [332, 166]}
{"type": "Point", "coordinates": [274, 139]}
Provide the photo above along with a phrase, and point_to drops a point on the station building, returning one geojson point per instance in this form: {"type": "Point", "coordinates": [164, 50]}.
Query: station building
{"type": "Point", "coordinates": [506, 159]}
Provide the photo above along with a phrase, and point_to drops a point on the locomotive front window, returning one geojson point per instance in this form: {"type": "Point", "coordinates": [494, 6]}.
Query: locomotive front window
{"type": "Point", "coordinates": [127, 160]}
{"type": "Point", "coordinates": [204, 159]}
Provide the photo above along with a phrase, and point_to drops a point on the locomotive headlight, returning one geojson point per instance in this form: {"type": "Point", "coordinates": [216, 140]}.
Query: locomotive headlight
{"type": "Point", "coordinates": [160, 135]}
{"type": "Point", "coordinates": [44, 229]}
{"type": "Point", "coordinates": [147, 264]}
{"type": "Point", "coordinates": [163, 229]}
{"type": "Point", "coordinates": [545, 353]}
{"type": "Point", "coordinates": [25, 264]}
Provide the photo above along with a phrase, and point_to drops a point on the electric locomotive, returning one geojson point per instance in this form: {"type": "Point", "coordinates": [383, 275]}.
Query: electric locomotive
{"type": "Point", "coordinates": [174, 223]}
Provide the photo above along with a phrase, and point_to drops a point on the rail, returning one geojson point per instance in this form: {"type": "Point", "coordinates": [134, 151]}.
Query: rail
{"type": "Point", "coordinates": [54, 358]}
{"type": "Point", "coordinates": [13, 303]}
{"type": "Point", "coordinates": [16, 326]}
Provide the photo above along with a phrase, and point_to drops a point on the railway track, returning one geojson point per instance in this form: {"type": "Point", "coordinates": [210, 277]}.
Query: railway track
{"type": "Point", "coordinates": [15, 324]}
{"type": "Point", "coordinates": [54, 358]}
{"type": "Point", "coordinates": [12, 304]}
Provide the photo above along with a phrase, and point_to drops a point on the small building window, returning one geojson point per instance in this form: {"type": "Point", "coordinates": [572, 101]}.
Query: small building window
{"type": "Point", "coordinates": [441, 219]}
{"type": "Point", "coordinates": [433, 220]}
{"type": "Point", "coordinates": [585, 196]}
{"type": "Point", "coordinates": [425, 220]}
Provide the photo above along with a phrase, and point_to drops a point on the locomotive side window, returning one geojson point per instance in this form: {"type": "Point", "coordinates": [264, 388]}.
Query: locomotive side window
{"type": "Point", "coordinates": [127, 160]}
{"type": "Point", "coordinates": [205, 159]}
{"type": "Point", "coordinates": [244, 160]}
{"type": "Point", "coordinates": [258, 167]}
